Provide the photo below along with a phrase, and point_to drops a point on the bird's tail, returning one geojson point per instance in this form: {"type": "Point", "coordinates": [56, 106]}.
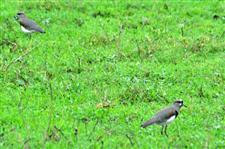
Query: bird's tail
{"type": "Point", "coordinates": [148, 123]}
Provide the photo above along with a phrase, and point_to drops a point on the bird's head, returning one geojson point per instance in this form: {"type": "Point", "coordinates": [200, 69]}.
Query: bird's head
{"type": "Point", "coordinates": [20, 15]}
{"type": "Point", "coordinates": [178, 103]}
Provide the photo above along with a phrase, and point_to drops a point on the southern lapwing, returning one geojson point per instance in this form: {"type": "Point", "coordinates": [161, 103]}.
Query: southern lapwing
{"type": "Point", "coordinates": [165, 116]}
{"type": "Point", "coordinates": [27, 25]}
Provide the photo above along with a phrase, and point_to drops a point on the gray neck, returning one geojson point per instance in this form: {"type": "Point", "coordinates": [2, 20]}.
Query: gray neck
{"type": "Point", "coordinates": [177, 108]}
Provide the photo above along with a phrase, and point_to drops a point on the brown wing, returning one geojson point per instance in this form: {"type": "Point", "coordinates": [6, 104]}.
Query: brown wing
{"type": "Point", "coordinates": [161, 116]}
{"type": "Point", "coordinates": [165, 114]}
{"type": "Point", "coordinates": [30, 25]}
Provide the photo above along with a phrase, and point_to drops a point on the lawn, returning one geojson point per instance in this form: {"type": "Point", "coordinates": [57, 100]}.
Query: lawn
{"type": "Point", "coordinates": [104, 67]}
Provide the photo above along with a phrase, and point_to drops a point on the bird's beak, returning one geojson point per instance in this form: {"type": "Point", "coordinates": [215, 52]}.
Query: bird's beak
{"type": "Point", "coordinates": [16, 17]}
{"type": "Point", "coordinates": [185, 106]}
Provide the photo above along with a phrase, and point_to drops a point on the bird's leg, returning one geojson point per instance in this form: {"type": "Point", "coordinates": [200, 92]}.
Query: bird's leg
{"type": "Point", "coordinates": [165, 131]}
{"type": "Point", "coordinates": [162, 129]}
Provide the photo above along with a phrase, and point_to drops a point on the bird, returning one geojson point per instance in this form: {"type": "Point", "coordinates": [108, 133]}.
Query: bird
{"type": "Point", "coordinates": [165, 116]}
{"type": "Point", "coordinates": [27, 25]}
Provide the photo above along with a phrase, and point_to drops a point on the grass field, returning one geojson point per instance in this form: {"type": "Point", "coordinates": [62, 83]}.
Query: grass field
{"type": "Point", "coordinates": [104, 67]}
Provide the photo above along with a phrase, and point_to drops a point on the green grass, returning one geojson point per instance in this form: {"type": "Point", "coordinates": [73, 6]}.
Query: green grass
{"type": "Point", "coordinates": [134, 57]}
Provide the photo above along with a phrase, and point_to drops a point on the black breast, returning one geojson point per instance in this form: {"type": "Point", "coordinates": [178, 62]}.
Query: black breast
{"type": "Point", "coordinates": [176, 113]}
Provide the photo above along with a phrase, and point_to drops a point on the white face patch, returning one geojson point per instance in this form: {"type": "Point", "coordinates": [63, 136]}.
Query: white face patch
{"type": "Point", "coordinates": [180, 104]}
{"type": "Point", "coordinates": [25, 30]}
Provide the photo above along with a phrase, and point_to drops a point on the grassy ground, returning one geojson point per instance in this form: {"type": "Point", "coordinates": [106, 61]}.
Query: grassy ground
{"type": "Point", "coordinates": [103, 68]}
